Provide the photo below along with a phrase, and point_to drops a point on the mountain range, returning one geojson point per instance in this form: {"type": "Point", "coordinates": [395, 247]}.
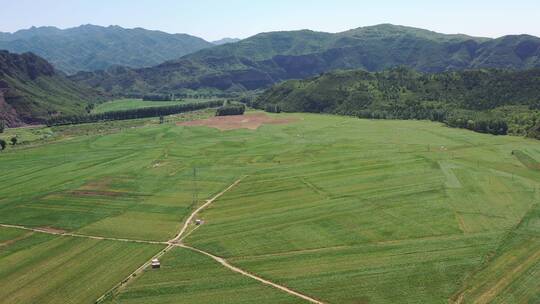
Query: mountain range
{"type": "Point", "coordinates": [268, 58]}
{"type": "Point", "coordinates": [225, 41]}
{"type": "Point", "coordinates": [33, 89]}
{"type": "Point", "coordinates": [91, 47]}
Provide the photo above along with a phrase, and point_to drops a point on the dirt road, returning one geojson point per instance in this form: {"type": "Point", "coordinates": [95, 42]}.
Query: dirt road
{"type": "Point", "coordinates": [226, 264]}
{"type": "Point", "coordinates": [175, 242]}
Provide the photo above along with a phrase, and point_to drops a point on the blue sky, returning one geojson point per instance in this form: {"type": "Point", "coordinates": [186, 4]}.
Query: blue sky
{"type": "Point", "coordinates": [213, 19]}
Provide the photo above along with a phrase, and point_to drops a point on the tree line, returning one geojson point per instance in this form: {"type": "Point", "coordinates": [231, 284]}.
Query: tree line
{"type": "Point", "coordinates": [173, 96]}
{"type": "Point", "coordinates": [132, 114]}
{"type": "Point", "coordinates": [487, 101]}
{"type": "Point", "coordinates": [158, 97]}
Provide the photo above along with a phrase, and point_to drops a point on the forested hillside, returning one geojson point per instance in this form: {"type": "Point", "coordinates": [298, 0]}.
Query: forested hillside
{"type": "Point", "coordinates": [268, 58]}
{"type": "Point", "coordinates": [90, 47]}
{"type": "Point", "coordinates": [491, 101]}
{"type": "Point", "coordinates": [31, 90]}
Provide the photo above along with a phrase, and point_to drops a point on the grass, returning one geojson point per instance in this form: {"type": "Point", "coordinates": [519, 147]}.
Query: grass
{"type": "Point", "coordinates": [513, 268]}
{"type": "Point", "coordinates": [26, 135]}
{"type": "Point", "coordinates": [40, 268]}
{"type": "Point", "coordinates": [411, 271]}
{"type": "Point", "coordinates": [188, 277]}
{"type": "Point", "coordinates": [39, 135]}
{"type": "Point", "coordinates": [342, 209]}
{"type": "Point", "coordinates": [526, 160]}
{"type": "Point", "coordinates": [130, 104]}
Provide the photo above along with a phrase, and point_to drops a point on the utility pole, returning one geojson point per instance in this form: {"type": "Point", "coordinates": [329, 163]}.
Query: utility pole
{"type": "Point", "coordinates": [195, 198]}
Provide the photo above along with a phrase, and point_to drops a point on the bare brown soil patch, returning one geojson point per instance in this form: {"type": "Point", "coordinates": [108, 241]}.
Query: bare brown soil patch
{"type": "Point", "coordinates": [51, 230]}
{"type": "Point", "coordinates": [100, 184]}
{"type": "Point", "coordinates": [7, 112]}
{"type": "Point", "coordinates": [100, 187]}
{"type": "Point", "coordinates": [95, 193]}
{"type": "Point", "coordinates": [250, 121]}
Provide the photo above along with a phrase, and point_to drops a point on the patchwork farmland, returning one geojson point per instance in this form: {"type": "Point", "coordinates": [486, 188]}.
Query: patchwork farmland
{"type": "Point", "coordinates": [327, 209]}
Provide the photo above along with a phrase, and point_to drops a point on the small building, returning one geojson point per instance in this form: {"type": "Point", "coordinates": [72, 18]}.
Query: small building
{"type": "Point", "coordinates": [156, 264]}
{"type": "Point", "coordinates": [199, 222]}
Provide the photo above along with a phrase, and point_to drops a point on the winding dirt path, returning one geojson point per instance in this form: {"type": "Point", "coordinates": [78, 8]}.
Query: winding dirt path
{"type": "Point", "coordinates": [170, 244]}
{"type": "Point", "coordinates": [226, 264]}
{"type": "Point", "coordinates": [92, 237]}
{"type": "Point", "coordinates": [176, 242]}
{"type": "Point", "coordinates": [198, 210]}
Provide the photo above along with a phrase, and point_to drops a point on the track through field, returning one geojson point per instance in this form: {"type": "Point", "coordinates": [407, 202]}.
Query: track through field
{"type": "Point", "coordinates": [176, 242]}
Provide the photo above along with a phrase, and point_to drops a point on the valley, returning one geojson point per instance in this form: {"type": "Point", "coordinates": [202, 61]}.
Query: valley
{"type": "Point", "coordinates": [269, 152]}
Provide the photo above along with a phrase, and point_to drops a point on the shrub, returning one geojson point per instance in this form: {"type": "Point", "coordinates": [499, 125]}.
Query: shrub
{"type": "Point", "coordinates": [231, 109]}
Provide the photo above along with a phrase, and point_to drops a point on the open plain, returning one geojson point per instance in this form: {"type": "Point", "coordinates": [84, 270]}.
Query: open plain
{"type": "Point", "coordinates": [338, 209]}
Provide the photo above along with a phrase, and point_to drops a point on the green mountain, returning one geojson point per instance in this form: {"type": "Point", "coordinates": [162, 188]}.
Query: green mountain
{"type": "Point", "coordinates": [225, 41]}
{"type": "Point", "coordinates": [401, 93]}
{"type": "Point", "coordinates": [346, 91]}
{"type": "Point", "coordinates": [90, 47]}
{"type": "Point", "coordinates": [268, 58]}
{"type": "Point", "coordinates": [31, 90]}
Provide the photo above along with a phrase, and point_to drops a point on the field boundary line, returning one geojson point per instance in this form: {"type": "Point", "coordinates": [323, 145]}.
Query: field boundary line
{"type": "Point", "coordinates": [75, 235]}
{"type": "Point", "coordinates": [227, 265]}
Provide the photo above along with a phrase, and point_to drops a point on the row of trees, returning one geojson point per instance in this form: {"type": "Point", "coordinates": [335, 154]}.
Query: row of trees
{"type": "Point", "coordinates": [433, 115]}
{"type": "Point", "coordinates": [272, 108]}
{"type": "Point", "coordinates": [173, 96]}
{"type": "Point", "coordinates": [477, 123]}
{"type": "Point", "coordinates": [158, 97]}
{"type": "Point", "coordinates": [132, 114]}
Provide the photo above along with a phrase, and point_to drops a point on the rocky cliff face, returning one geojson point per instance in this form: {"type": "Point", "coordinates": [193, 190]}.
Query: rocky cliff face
{"type": "Point", "coordinates": [7, 113]}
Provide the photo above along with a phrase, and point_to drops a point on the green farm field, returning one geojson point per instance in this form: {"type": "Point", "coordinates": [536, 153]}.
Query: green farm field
{"type": "Point", "coordinates": [131, 104]}
{"type": "Point", "coordinates": [338, 209]}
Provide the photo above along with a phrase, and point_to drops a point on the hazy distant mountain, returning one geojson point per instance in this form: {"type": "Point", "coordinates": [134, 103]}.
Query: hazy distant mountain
{"type": "Point", "coordinates": [225, 41]}
{"type": "Point", "coordinates": [31, 90]}
{"type": "Point", "coordinates": [267, 58]}
{"type": "Point", "coordinates": [90, 47]}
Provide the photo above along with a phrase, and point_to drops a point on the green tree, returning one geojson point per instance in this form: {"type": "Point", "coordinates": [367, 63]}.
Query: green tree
{"type": "Point", "coordinates": [2, 144]}
{"type": "Point", "coordinates": [14, 140]}
{"type": "Point", "coordinates": [2, 126]}
{"type": "Point", "coordinates": [89, 108]}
